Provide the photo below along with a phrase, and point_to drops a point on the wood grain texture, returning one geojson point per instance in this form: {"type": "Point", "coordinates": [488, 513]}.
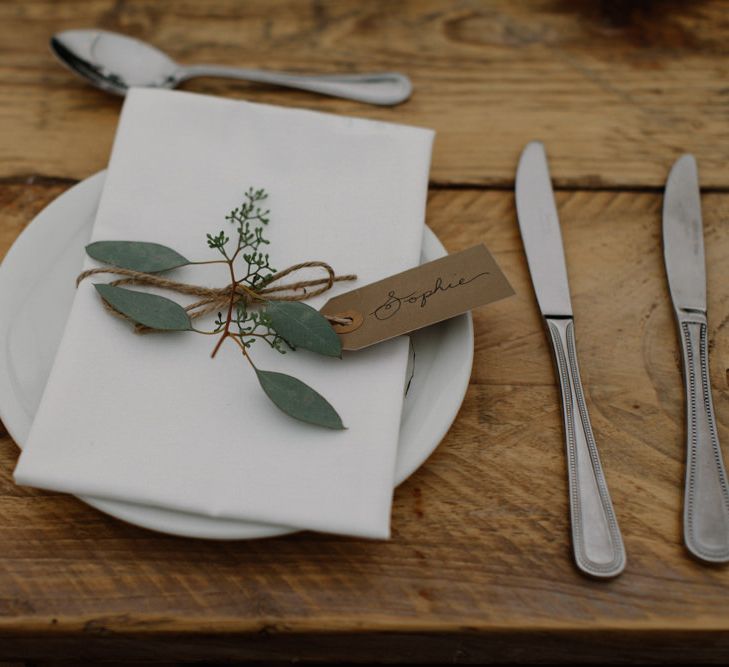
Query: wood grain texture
{"type": "Point", "coordinates": [617, 89]}
{"type": "Point", "coordinates": [479, 567]}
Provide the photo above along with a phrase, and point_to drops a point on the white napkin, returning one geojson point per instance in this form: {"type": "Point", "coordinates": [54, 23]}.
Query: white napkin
{"type": "Point", "coordinates": [152, 419]}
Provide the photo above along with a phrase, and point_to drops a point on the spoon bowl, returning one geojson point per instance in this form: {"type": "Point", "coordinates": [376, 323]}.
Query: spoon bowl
{"type": "Point", "coordinates": [115, 63]}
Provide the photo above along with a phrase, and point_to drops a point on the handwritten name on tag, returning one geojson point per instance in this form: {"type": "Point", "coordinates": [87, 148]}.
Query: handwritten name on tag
{"type": "Point", "coordinates": [417, 298]}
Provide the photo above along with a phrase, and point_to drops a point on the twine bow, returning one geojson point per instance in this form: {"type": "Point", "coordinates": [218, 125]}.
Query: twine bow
{"type": "Point", "coordinates": [215, 299]}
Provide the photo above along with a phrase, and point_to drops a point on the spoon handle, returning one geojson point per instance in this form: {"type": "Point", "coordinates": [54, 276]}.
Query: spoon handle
{"type": "Point", "coordinates": [385, 88]}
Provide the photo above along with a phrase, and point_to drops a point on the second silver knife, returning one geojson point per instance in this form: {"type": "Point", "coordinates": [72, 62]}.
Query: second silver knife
{"type": "Point", "coordinates": [597, 543]}
{"type": "Point", "coordinates": [706, 497]}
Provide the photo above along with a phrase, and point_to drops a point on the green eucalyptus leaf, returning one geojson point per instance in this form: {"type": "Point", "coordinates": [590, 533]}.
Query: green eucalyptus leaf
{"type": "Point", "coordinates": [155, 312]}
{"type": "Point", "coordinates": [298, 400]}
{"type": "Point", "coordinates": [303, 326]}
{"type": "Point", "coordinates": [136, 255]}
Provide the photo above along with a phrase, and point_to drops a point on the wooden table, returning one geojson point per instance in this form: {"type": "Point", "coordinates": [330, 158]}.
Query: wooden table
{"type": "Point", "coordinates": [479, 566]}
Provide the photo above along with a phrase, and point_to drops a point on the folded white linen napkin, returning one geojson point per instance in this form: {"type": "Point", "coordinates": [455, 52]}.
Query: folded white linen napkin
{"type": "Point", "coordinates": [153, 419]}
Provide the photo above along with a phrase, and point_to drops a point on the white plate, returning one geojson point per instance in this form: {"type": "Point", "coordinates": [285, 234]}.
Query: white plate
{"type": "Point", "coordinates": [35, 304]}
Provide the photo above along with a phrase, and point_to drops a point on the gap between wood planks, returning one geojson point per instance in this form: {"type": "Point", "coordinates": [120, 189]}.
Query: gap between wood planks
{"type": "Point", "coordinates": [43, 180]}
{"type": "Point", "coordinates": [569, 187]}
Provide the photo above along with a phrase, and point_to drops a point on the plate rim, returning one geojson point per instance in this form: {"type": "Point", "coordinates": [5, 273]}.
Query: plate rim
{"type": "Point", "coordinates": [144, 515]}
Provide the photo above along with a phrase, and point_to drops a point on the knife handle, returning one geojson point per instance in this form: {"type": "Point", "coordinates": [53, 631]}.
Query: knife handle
{"type": "Point", "coordinates": [706, 497]}
{"type": "Point", "coordinates": [596, 540]}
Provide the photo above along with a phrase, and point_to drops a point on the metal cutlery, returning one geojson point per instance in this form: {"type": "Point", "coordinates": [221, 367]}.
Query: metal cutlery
{"type": "Point", "coordinates": [115, 62]}
{"type": "Point", "coordinates": [596, 539]}
{"type": "Point", "coordinates": [706, 495]}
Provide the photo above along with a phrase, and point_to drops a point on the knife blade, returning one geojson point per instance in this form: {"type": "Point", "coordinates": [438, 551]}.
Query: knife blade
{"type": "Point", "coordinates": [683, 236]}
{"type": "Point", "coordinates": [596, 539]}
{"type": "Point", "coordinates": [706, 493]}
{"type": "Point", "coordinates": [540, 232]}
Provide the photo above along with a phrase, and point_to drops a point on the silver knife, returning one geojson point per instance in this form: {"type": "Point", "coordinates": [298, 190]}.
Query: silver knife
{"type": "Point", "coordinates": [596, 540]}
{"type": "Point", "coordinates": [706, 496]}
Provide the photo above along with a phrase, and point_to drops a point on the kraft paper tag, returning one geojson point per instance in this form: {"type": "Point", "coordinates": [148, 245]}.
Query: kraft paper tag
{"type": "Point", "coordinates": [417, 298]}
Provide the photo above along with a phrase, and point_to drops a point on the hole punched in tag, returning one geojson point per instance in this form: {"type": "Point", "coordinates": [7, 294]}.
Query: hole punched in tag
{"type": "Point", "coordinates": [349, 320]}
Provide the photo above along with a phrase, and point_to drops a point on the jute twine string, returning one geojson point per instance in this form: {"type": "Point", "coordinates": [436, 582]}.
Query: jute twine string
{"type": "Point", "coordinates": [215, 299]}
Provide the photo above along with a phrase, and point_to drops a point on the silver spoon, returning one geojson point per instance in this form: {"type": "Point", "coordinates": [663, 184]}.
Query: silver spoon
{"type": "Point", "coordinates": [115, 62]}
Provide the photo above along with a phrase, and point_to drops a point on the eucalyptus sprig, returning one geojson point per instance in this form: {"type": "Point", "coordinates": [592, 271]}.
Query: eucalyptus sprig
{"type": "Point", "coordinates": [249, 316]}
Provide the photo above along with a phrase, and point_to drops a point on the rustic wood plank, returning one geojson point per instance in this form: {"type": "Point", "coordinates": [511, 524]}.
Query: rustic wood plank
{"type": "Point", "coordinates": [479, 566]}
{"type": "Point", "coordinates": [275, 650]}
{"type": "Point", "coordinates": [617, 90]}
